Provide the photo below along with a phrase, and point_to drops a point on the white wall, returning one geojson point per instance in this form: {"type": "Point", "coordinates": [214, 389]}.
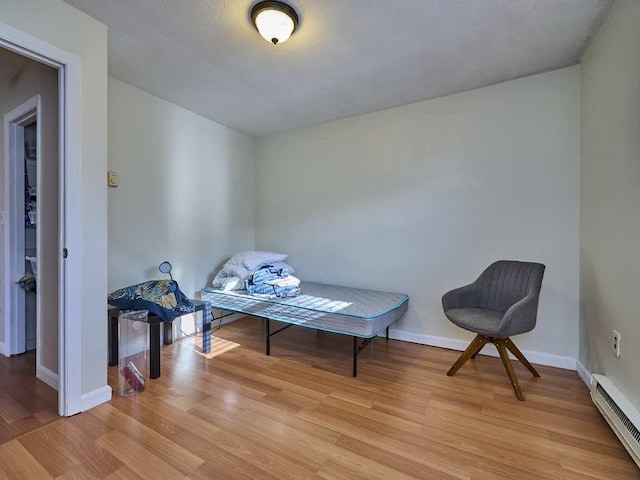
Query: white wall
{"type": "Point", "coordinates": [64, 27]}
{"type": "Point", "coordinates": [32, 79]}
{"type": "Point", "coordinates": [420, 198]}
{"type": "Point", "coordinates": [186, 191]}
{"type": "Point", "coordinates": [610, 200]}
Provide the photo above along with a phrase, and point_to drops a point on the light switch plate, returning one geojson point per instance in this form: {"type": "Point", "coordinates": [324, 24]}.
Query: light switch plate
{"type": "Point", "coordinates": [113, 179]}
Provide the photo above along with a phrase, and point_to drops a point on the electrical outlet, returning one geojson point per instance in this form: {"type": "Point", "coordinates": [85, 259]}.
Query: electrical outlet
{"type": "Point", "coordinates": [615, 342]}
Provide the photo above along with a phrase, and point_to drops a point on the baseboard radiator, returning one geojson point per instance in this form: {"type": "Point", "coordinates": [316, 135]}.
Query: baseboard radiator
{"type": "Point", "coordinates": [621, 415]}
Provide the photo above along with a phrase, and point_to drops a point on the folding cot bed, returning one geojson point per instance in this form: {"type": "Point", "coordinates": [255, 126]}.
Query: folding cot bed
{"type": "Point", "coordinates": [361, 314]}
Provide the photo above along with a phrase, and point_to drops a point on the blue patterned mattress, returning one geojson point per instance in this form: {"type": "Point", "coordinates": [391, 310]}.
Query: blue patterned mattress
{"type": "Point", "coordinates": [349, 311]}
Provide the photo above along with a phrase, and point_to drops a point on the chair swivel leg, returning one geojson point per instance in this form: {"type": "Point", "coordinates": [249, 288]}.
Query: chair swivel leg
{"type": "Point", "coordinates": [473, 357]}
{"type": "Point", "coordinates": [474, 347]}
{"type": "Point", "coordinates": [518, 354]}
{"type": "Point", "coordinates": [504, 356]}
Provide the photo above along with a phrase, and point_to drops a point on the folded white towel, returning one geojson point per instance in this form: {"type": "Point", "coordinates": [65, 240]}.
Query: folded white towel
{"type": "Point", "coordinates": [288, 281]}
{"type": "Point", "coordinates": [226, 284]}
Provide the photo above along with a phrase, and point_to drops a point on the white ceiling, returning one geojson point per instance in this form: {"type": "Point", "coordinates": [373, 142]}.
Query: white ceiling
{"type": "Point", "coordinates": [348, 56]}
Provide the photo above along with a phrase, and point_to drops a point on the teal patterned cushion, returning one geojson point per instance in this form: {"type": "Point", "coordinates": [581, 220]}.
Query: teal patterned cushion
{"type": "Point", "coordinates": [161, 297]}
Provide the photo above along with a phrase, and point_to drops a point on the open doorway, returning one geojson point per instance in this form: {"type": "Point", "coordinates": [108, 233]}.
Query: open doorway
{"type": "Point", "coordinates": [21, 139]}
{"type": "Point", "coordinates": [78, 389]}
{"type": "Point", "coordinates": [29, 107]}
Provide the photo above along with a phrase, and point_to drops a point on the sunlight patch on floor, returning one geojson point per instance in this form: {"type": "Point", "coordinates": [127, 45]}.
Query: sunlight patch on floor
{"type": "Point", "coordinates": [218, 347]}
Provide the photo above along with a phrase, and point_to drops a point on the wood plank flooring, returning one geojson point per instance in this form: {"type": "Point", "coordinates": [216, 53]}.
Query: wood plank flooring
{"type": "Point", "coordinates": [26, 403]}
{"type": "Point", "coordinates": [298, 414]}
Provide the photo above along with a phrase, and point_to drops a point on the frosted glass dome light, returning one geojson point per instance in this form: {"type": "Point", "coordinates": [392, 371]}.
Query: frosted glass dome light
{"type": "Point", "coordinates": [275, 21]}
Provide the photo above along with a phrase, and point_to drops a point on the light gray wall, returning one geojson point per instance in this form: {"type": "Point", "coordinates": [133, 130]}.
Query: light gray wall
{"type": "Point", "coordinates": [29, 79]}
{"type": "Point", "coordinates": [64, 27]}
{"type": "Point", "coordinates": [186, 191]}
{"type": "Point", "coordinates": [419, 199]}
{"type": "Point", "coordinates": [610, 200]}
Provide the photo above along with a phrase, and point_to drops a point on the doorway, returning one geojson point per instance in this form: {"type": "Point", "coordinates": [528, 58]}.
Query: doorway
{"type": "Point", "coordinates": [22, 138]}
{"type": "Point", "coordinates": [67, 375]}
{"type": "Point", "coordinates": [29, 105]}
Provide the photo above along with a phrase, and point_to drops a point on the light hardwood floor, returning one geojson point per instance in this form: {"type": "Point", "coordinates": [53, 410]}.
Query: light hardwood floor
{"type": "Point", "coordinates": [300, 415]}
{"type": "Point", "coordinates": [26, 403]}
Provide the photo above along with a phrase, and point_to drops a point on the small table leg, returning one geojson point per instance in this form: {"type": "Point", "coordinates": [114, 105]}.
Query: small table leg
{"type": "Point", "coordinates": [167, 333]}
{"type": "Point", "coordinates": [113, 341]}
{"type": "Point", "coordinates": [154, 350]}
{"type": "Point", "coordinates": [206, 328]}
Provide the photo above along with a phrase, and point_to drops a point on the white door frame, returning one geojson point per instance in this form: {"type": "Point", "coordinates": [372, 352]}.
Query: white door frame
{"type": "Point", "coordinates": [70, 399]}
{"type": "Point", "coordinates": [14, 262]}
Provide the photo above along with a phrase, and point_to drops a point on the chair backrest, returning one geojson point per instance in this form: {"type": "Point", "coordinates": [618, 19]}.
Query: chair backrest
{"type": "Point", "coordinates": [505, 282]}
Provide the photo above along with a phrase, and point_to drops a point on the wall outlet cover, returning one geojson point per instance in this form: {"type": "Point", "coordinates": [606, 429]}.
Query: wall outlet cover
{"type": "Point", "coordinates": [615, 342]}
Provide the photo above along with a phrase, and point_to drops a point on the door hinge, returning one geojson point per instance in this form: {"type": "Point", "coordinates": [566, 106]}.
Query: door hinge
{"type": "Point", "coordinates": [65, 253]}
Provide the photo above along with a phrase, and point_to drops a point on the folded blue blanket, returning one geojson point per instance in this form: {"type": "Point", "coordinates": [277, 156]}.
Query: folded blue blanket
{"type": "Point", "coordinates": [256, 285]}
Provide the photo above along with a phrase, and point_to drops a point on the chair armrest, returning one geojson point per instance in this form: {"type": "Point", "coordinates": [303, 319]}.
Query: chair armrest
{"type": "Point", "coordinates": [520, 317]}
{"type": "Point", "coordinates": [463, 297]}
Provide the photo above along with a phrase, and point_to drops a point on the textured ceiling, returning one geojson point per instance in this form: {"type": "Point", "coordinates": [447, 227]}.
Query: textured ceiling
{"type": "Point", "coordinates": [348, 56]}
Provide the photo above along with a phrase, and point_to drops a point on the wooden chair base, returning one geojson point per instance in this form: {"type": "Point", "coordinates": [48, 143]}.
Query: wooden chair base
{"type": "Point", "coordinates": [502, 345]}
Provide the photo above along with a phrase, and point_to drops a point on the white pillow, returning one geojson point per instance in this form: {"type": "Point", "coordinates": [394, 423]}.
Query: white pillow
{"type": "Point", "coordinates": [253, 260]}
{"type": "Point", "coordinates": [236, 271]}
{"type": "Point", "coordinates": [218, 280]}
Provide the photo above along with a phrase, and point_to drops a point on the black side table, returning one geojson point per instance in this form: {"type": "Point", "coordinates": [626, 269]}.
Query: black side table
{"type": "Point", "coordinates": [154, 335]}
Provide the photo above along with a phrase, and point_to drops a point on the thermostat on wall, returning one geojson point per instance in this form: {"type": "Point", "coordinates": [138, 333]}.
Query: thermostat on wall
{"type": "Point", "coordinates": [113, 179]}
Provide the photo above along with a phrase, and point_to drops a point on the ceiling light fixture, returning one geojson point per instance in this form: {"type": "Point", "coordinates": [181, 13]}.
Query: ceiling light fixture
{"type": "Point", "coordinates": [275, 21]}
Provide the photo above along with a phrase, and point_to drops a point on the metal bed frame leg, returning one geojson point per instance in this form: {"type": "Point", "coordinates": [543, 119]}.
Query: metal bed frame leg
{"type": "Point", "coordinates": [267, 337]}
{"type": "Point", "coordinates": [355, 356]}
{"type": "Point", "coordinates": [357, 347]}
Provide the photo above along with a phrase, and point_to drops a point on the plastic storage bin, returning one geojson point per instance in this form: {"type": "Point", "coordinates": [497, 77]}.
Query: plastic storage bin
{"type": "Point", "coordinates": [133, 354]}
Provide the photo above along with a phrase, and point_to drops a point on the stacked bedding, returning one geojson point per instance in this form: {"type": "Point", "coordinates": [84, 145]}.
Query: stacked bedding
{"type": "Point", "coordinates": [261, 273]}
{"type": "Point", "coordinates": [272, 282]}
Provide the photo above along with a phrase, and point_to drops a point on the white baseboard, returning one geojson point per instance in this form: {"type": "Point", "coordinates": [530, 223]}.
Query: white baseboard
{"type": "Point", "coordinates": [541, 358]}
{"type": "Point", "coordinates": [584, 374]}
{"type": "Point", "coordinates": [95, 398]}
{"type": "Point", "coordinates": [2, 350]}
{"type": "Point", "coordinates": [47, 376]}
{"type": "Point", "coordinates": [30, 344]}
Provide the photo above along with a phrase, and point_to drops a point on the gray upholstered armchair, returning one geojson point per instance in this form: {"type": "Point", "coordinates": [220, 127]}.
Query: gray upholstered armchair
{"type": "Point", "coordinates": [502, 302]}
